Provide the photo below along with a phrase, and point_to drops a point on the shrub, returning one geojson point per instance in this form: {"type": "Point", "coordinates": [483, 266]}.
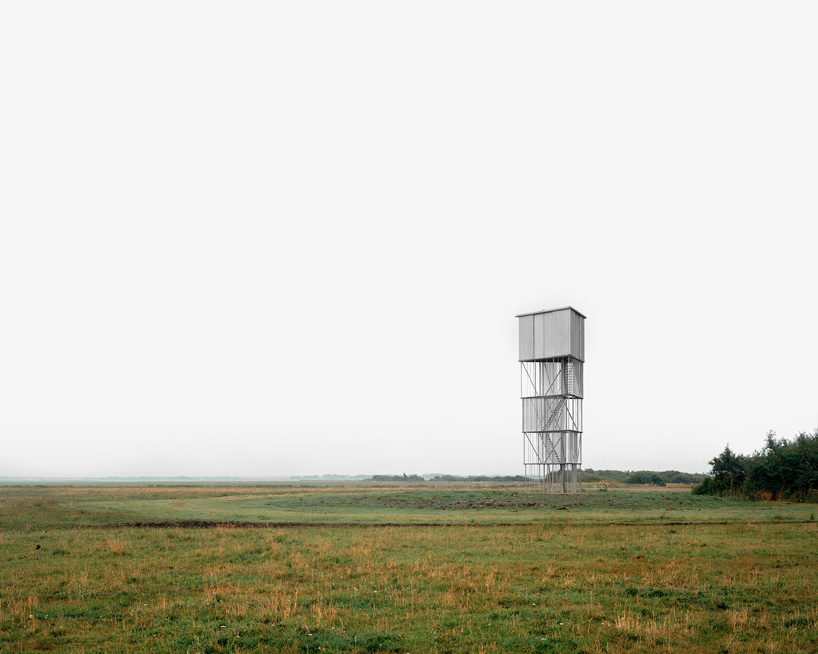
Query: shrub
{"type": "Point", "coordinates": [704, 487]}
{"type": "Point", "coordinates": [782, 468]}
{"type": "Point", "coordinates": [644, 477]}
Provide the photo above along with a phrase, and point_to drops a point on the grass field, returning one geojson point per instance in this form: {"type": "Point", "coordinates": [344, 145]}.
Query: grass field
{"type": "Point", "coordinates": [452, 568]}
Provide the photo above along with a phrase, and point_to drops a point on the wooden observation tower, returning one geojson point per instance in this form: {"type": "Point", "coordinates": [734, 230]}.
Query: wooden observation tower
{"type": "Point", "coordinates": [552, 355]}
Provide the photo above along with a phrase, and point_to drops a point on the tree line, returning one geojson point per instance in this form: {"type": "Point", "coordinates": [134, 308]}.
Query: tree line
{"type": "Point", "coordinates": [781, 469]}
{"type": "Point", "coordinates": [651, 477]}
{"type": "Point", "coordinates": [418, 478]}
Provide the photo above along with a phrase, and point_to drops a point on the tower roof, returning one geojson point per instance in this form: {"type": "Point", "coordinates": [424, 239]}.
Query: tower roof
{"type": "Point", "coordinates": [534, 313]}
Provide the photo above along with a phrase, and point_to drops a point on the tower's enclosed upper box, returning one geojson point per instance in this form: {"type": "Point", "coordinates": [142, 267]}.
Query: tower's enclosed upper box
{"type": "Point", "coordinates": [551, 334]}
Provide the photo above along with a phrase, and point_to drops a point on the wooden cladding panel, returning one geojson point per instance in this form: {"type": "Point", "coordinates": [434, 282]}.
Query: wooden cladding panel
{"type": "Point", "coordinates": [526, 338]}
{"type": "Point", "coordinates": [552, 334]}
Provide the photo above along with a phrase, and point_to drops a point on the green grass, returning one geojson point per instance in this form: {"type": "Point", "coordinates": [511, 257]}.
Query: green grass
{"type": "Point", "coordinates": [541, 574]}
{"type": "Point", "coordinates": [351, 504]}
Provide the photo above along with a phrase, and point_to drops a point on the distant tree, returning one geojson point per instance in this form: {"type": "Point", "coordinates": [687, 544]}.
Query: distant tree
{"type": "Point", "coordinates": [403, 477]}
{"type": "Point", "coordinates": [729, 471]}
{"type": "Point", "coordinates": [613, 475]}
{"type": "Point", "coordinates": [676, 477]}
{"type": "Point", "coordinates": [664, 477]}
{"type": "Point", "coordinates": [644, 477]}
{"type": "Point", "coordinates": [497, 478]}
{"type": "Point", "coordinates": [806, 473]}
{"type": "Point", "coordinates": [782, 468]}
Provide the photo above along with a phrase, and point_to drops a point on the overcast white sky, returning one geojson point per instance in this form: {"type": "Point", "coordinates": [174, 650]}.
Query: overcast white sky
{"type": "Point", "coordinates": [281, 238]}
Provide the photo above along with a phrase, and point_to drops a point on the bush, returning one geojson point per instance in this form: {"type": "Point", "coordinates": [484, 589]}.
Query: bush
{"type": "Point", "coordinates": [676, 477]}
{"type": "Point", "coordinates": [497, 478]}
{"type": "Point", "coordinates": [644, 477]}
{"type": "Point", "coordinates": [412, 478]}
{"type": "Point", "coordinates": [705, 487]}
{"type": "Point", "coordinates": [781, 469]}
{"type": "Point", "coordinates": [626, 477]}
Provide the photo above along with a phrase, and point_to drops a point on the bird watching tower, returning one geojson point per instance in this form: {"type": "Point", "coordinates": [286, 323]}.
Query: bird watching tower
{"type": "Point", "coordinates": [552, 355]}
